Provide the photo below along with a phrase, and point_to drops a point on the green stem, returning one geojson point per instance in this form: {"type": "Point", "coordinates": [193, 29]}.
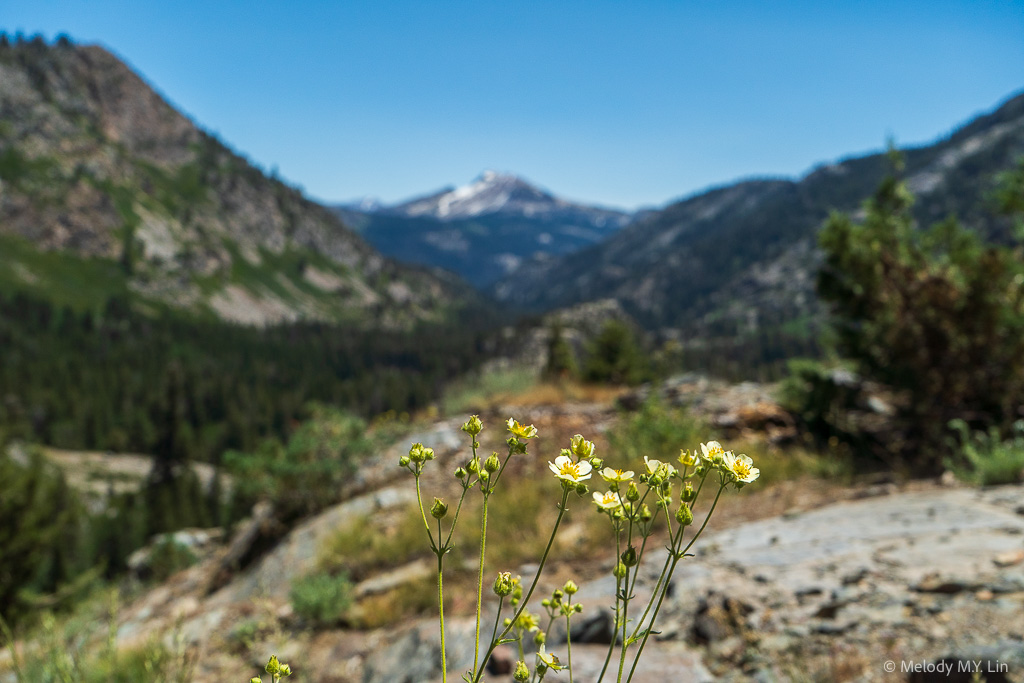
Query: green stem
{"type": "Point", "coordinates": [568, 644]}
{"type": "Point", "coordinates": [423, 514]}
{"type": "Point", "coordinates": [440, 606]}
{"type": "Point", "coordinates": [533, 586]}
{"type": "Point", "coordinates": [618, 588]}
{"type": "Point", "coordinates": [455, 519]}
{"type": "Point", "coordinates": [480, 584]}
{"type": "Point", "coordinates": [654, 593]}
{"type": "Point", "coordinates": [675, 560]}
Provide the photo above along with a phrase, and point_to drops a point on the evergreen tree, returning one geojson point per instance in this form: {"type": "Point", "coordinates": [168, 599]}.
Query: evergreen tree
{"type": "Point", "coordinates": [936, 314]}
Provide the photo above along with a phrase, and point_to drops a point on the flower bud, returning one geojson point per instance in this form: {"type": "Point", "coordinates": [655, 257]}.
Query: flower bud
{"type": "Point", "coordinates": [577, 608]}
{"type": "Point", "coordinates": [688, 493]}
{"type": "Point", "coordinates": [597, 463]}
{"type": "Point", "coordinates": [684, 515]}
{"type": "Point", "coordinates": [286, 670]}
{"type": "Point", "coordinates": [404, 461]}
{"type": "Point", "coordinates": [503, 584]}
{"type": "Point", "coordinates": [460, 472]}
{"type": "Point", "coordinates": [522, 673]}
{"type": "Point", "coordinates": [645, 513]}
{"type": "Point", "coordinates": [629, 557]}
{"type": "Point", "coordinates": [273, 666]}
{"type": "Point", "coordinates": [581, 489]}
{"type": "Point", "coordinates": [484, 476]}
{"type": "Point", "coordinates": [570, 587]}
{"type": "Point", "coordinates": [539, 638]}
{"type": "Point", "coordinates": [688, 458]}
{"type": "Point", "coordinates": [439, 509]}
{"type": "Point", "coordinates": [492, 464]}
{"type": "Point", "coordinates": [557, 596]}
{"type": "Point", "coordinates": [474, 426]}
{"type": "Point", "coordinates": [254, 679]}
{"type": "Point", "coordinates": [632, 493]}
{"type": "Point", "coordinates": [473, 466]}
{"type": "Point", "coordinates": [428, 453]}
{"type": "Point", "coordinates": [620, 570]}
{"type": "Point", "coordinates": [416, 452]}
{"type": "Point", "coordinates": [582, 448]}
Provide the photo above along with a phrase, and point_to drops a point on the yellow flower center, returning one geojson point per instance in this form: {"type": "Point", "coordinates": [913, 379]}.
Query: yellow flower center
{"type": "Point", "coordinates": [741, 469]}
{"type": "Point", "coordinates": [570, 469]}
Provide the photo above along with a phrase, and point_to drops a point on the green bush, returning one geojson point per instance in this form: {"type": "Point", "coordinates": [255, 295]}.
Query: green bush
{"type": "Point", "coordinates": [987, 459]}
{"type": "Point", "coordinates": [168, 557]}
{"type": "Point", "coordinates": [321, 598]}
{"type": "Point", "coordinates": [614, 356]}
{"type": "Point", "coordinates": [306, 474]}
{"type": "Point", "coordinates": [657, 431]}
{"type": "Point", "coordinates": [936, 314]}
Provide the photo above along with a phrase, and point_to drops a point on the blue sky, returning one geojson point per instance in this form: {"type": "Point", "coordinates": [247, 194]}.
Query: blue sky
{"type": "Point", "coordinates": [620, 103]}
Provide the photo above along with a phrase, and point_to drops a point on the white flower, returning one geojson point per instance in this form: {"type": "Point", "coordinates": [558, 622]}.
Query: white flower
{"type": "Point", "coordinates": [741, 467]}
{"type": "Point", "coordinates": [522, 431]}
{"type": "Point", "coordinates": [657, 467]}
{"type": "Point", "coordinates": [652, 465]}
{"type": "Point", "coordinates": [607, 501]}
{"type": "Point", "coordinates": [618, 476]}
{"type": "Point", "coordinates": [567, 470]}
{"type": "Point", "coordinates": [713, 451]}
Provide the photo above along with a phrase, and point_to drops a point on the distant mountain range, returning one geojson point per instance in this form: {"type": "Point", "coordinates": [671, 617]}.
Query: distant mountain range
{"type": "Point", "coordinates": [105, 189]}
{"type": "Point", "coordinates": [484, 230]}
{"type": "Point", "coordinates": [740, 260]}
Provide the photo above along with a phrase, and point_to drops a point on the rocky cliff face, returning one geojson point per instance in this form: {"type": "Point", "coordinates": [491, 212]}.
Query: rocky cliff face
{"type": "Point", "coordinates": [95, 165]}
{"type": "Point", "coordinates": [741, 258]}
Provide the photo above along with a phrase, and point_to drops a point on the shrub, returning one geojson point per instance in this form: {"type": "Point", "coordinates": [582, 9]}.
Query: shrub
{"type": "Point", "coordinates": [169, 557]}
{"type": "Point", "coordinates": [321, 598]}
{"type": "Point", "coordinates": [986, 458]}
{"type": "Point", "coordinates": [935, 314]}
{"type": "Point", "coordinates": [614, 356]}
{"type": "Point", "coordinates": [656, 430]}
{"type": "Point", "coordinates": [306, 474]}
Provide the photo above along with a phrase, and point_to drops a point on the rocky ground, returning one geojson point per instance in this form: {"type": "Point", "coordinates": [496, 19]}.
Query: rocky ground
{"type": "Point", "coordinates": [799, 580]}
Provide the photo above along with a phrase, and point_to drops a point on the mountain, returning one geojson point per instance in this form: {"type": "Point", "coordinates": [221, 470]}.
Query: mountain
{"type": "Point", "coordinates": [483, 230]}
{"type": "Point", "coordinates": [106, 189]}
{"type": "Point", "coordinates": [740, 260]}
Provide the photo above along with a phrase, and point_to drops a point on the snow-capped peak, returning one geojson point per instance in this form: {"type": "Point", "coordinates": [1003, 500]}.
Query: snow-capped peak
{"type": "Point", "coordinates": [490, 192]}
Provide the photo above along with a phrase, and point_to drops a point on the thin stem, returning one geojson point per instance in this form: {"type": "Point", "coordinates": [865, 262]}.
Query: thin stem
{"type": "Point", "coordinates": [455, 519]}
{"type": "Point", "coordinates": [675, 560]}
{"type": "Point", "coordinates": [440, 605]}
{"type": "Point", "coordinates": [568, 644]}
{"type": "Point", "coordinates": [497, 619]}
{"type": "Point", "coordinates": [480, 582]}
{"type": "Point", "coordinates": [423, 514]}
{"type": "Point", "coordinates": [533, 586]}
{"type": "Point", "coordinates": [657, 587]}
{"type": "Point", "coordinates": [618, 588]}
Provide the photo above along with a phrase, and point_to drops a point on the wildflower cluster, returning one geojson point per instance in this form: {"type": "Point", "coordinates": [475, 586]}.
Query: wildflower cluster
{"type": "Point", "coordinates": [628, 504]}
{"type": "Point", "coordinates": [635, 505]}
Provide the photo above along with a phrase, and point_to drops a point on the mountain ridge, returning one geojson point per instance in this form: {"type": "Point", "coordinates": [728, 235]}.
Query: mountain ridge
{"type": "Point", "coordinates": [484, 229]}
{"type": "Point", "coordinates": [740, 258]}
{"type": "Point", "coordinates": [97, 166]}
